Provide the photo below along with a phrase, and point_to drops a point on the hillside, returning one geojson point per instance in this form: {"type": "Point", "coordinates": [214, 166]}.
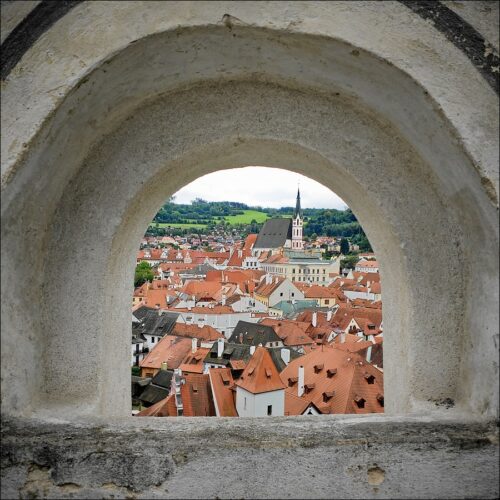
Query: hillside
{"type": "Point", "coordinates": [174, 218]}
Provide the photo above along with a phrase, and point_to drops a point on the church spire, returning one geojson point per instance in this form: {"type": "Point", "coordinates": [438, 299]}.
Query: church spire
{"type": "Point", "coordinates": [298, 210]}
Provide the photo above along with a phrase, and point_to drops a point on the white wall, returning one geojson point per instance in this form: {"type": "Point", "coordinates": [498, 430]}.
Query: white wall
{"type": "Point", "coordinates": [256, 404]}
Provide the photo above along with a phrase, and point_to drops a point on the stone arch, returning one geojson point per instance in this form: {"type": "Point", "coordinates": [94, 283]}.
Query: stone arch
{"type": "Point", "coordinates": [400, 159]}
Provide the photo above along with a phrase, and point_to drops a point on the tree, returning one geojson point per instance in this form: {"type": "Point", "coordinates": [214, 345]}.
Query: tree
{"type": "Point", "coordinates": [349, 262]}
{"type": "Point", "coordinates": [143, 273]}
{"type": "Point", "coordinates": [344, 246]}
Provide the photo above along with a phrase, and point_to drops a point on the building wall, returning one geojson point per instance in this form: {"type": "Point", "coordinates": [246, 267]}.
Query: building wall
{"type": "Point", "coordinates": [257, 404]}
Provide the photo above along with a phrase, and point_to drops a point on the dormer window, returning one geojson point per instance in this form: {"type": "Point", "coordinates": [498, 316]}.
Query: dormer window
{"type": "Point", "coordinates": [380, 399]}
{"type": "Point", "coordinates": [327, 395]}
{"type": "Point", "coordinates": [369, 378]}
{"type": "Point", "coordinates": [292, 381]}
{"type": "Point", "coordinates": [331, 372]}
{"type": "Point", "coordinates": [360, 402]}
{"type": "Point", "coordinates": [309, 387]}
{"type": "Point", "coordinates": [318, 367]}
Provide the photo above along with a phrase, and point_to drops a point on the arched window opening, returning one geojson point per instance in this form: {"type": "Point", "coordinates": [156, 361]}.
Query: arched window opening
{"type": "Point", "coordinates": [220, 324]}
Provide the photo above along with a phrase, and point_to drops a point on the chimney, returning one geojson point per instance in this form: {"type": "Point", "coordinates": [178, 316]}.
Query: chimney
{"type": "Point", "coordinates": [285, 355]}
{"type": "Point", "coordinates": [223, 301]}
{"type": "Point", "coordinates": [269, 279]}
{"type": "Point", "coordinates": [300, 384]}
{"type": "Point", "coordinates": [314, 319]}
{"type": "Point", "coordinates": [240, 254]}
{"type": "Point", "coordinates": [369, 354]}
{"type": "Point", "coordinates": [252, 350]}
{"type": "Point", "coordinates": [342, 338]}
{"type": "Point", "coordinates": [328, 315]}
{"type": "Point", "coordinates": [220, 347]}
{"type": "Point", "coordinates": [163, 365]}
{"type": "Point", "coordinates": [194, 345]}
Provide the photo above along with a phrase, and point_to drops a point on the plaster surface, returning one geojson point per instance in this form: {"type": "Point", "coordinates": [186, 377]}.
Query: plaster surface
{"type": "Point", "coordinates": [312, 457]}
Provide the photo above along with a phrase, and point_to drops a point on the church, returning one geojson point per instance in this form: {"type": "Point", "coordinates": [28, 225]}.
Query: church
{"type": "Point", "coordinates": [281, 233]}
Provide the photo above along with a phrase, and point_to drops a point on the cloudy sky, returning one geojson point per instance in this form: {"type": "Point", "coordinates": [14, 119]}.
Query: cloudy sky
{"type": "Point", "coordinates": [267, 187]}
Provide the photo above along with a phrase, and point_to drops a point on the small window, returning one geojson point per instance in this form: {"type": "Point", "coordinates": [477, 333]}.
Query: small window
{"type": "Point", "coordinates": [281, 294]}
{"type": "Point", "coordinates": [270, 409]}
{"type": "Point", "coordinates": [293, 294]}
{"type": "Point", "coordinates": [327, 301]}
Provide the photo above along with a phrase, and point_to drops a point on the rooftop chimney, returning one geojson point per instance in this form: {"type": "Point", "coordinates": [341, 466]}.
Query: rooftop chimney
{"type": "Point", "coordinates": [194, 345]}
{"type": "Point", "coordinates": [223, 301]}
{"type": "Point", "coordinates": [163, 365]}
{"type": "Point", "coordinates": [314, 319]}
{"type": "Point", "coordinates": [328, 315]}
{"type": "Point", "coordinates": [269, 279]}
{"type": "Point", "coordinates": [220, 347]}
{"type": "Point", "coordinates": [285, 355]}
{"type": "Point", "coordinates": [342, 338]}
{"type": "Point", "coordinates": [300, 384]}
{"type": "Point", "coordinates": [252, 350]}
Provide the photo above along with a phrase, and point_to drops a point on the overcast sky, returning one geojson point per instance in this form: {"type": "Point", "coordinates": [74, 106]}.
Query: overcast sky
{"type": "Point", "coordinates": [267, 187]}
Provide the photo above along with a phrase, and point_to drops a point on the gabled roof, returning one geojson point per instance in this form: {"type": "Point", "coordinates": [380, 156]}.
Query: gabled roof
{"type": "Point", "coordinates": [171, 349]}
{"type": "Point", "coordinates": [274, 233]}
{"type": "Point", "coordinates": [152, 322]}
{"type": "Point", "coordinates": [206, 332]}
{"type": "Point", "coordinates": [337, 380]}
{"type": "Point", "coordinates": [193, 362]}
{"type": "Point", "coordinates": [275, 353]}
{"type": "Point", "coordinates": [196, 394]}
{"type": "Point", "coordinates": [163, 408]}
{"type": "Point", "coordinates": [253, 334]}
{"type": "Point", "coordinates": [232, 352]}
{"type": "Point", "coordinates": [266, 289]}
{"type": "Point", "coordinates": [292, 333]}
{"type": "Point", "coordinates": [260, 374]}
{"type": "Point", "coordinates": [222, 383]}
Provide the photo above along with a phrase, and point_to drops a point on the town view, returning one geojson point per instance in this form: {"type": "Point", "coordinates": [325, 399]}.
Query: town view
{"type": "Point", "coordinates": [253, 309]}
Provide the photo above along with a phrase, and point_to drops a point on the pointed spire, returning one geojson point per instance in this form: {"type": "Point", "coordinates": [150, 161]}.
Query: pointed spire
{"type": "Point", "coordinates": [298, 210]}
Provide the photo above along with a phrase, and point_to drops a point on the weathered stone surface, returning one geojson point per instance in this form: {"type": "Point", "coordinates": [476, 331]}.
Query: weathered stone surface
{"type": "Point", "coordinates": [115, 107]}
{"type": "Point", "coordinates": [325, 457]}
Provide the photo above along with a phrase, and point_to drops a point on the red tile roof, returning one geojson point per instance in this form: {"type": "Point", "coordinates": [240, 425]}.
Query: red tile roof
{"type": "Point", "coordinates": [222, 384]}
{"type": "Point", "coordinates": [171, 349]}
{"type": "Point", "coordinates": [164, 408]}
{"type": "Point", "coordinates": [292, 333]}
{"type": "Point", "coordinates": [196, 394]}
{"type": "Point", "coordinates": [338, 387]}
{"type": "Point", "coordinates": [260, 374]}
{"type": "Point", "coordinates": [205, 332]}
{"type": "Point", "coordinates": [193, 362]}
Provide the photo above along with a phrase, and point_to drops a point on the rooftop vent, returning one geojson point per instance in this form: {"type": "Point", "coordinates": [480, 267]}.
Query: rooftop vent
{"type": "Point", "coordinates": [380, 399]}
{"type": "Point", "coordinates": [292, 381]}
{"type": "Point", "coordinates": [268, 373]}
{"type": "Point", "coordinates": [331, 372]}
{"type": "Point", "coordinates": [369, 378]}
{"type": "Point", "coordinates": [309, 387]}
{"type": "Point", "coordinates": [318, 367]}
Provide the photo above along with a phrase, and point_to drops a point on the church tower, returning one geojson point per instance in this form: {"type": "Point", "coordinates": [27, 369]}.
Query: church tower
{"type": "Point", "coordinates": [297, 226]}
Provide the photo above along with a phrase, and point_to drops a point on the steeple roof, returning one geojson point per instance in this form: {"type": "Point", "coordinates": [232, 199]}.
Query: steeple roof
{"type": "Point", "coordinates": [260, 374]}
{"type": "Point", "coordinates": [298, 210]}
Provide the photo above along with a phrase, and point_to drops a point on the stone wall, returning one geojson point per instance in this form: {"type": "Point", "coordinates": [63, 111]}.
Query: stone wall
{"type": "Point", "coordinates": [112, 106]}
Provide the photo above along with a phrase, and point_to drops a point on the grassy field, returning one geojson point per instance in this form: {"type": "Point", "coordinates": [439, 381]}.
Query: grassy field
{"type": "Point", "coordinates": [246, 217]}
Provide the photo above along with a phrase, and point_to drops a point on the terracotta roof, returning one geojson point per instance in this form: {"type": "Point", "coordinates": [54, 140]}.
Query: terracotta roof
{"type": "Point", "coordinates": [196, 394]}
{"type": "Point", "coordinates": [339, 382]}
{"type": "Point", "coordinates": [206, 332]}
{"type": "Point", "coordinates": [295, 405]}
{"type": "Point", "coordinates": [164, 408]}
{"type": "Point", "coordinates": [260, 374]}
{"type": "Point", "coordinates": [205, 310]}
{"type": "Point", "coordinates": [193, 362]}
{"type": "Point", "coordinates": [266, 289]}
{"type": "Point", "coordinates": [171, 349]}
{"type": "Point", "coordinates": [319, 292]}
{"type": "Point", "coordinates": [292, 333]}
{"type": "Point", "coordinates": [222, 384]}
